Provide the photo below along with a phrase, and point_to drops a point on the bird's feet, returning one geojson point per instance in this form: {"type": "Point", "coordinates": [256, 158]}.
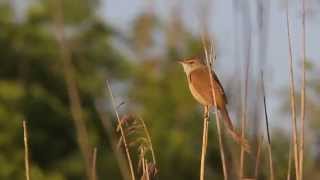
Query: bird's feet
{"type": "Point", "coordinates": [206, 113]}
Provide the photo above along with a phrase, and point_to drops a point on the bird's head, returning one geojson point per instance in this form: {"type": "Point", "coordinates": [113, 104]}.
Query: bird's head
{"type": "Point", "coordinates": [191, 64]}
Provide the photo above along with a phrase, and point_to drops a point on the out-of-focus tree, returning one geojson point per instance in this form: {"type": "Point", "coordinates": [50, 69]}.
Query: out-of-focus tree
{"type": "Point", "coordinates": [32, 88]}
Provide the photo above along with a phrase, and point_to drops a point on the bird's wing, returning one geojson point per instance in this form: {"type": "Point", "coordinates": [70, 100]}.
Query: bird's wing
{"type": "Point", "coordinates": [220, 87]}
{"type": "Point", "coordinates": [201, 82]}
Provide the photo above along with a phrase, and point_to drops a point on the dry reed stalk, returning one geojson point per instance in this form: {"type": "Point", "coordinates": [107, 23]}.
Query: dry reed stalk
{"type": "Point", "coordinates": [244, 119]}
{"type": "Point", "coordinates": [94, 164]}
{"type": "Point", "coordinates": [26, 149]}
{"type": "Point", "coordinates": [303, 87]}
{"type": "Point", "coordinates": [146, 132]}
{"type": "Point", "coordinates": [221, 147]}
{"type": "Point", "coordinates": [112, 139]}
{"type": "Point", "coordinates": [124, 140]}
{"type": "Point", "coordinates": [270, 162]}
{"type": "Point", "coordinates": [292, 100]}
{"type": "Point", "coordinates": [147, 171]}
{"type": "Point", "coordinates": [145, 166]}
{"type": "Point", "coordinates": [204, 143]}
{"type": "Point", "coordinates": [210, 58]}
{"type": "Point", "coordinates": [73, 92]}
{"type": "Point", "coordinates": [257, 164]}
{"type": "Point", "coordinates": [247, 30]}
{"type": "Point", "coordinates": [289, 162]}
{"type": "Point", "coordinates": [267, 126]}
{"type": "Point", "coordinates": [204, 134]}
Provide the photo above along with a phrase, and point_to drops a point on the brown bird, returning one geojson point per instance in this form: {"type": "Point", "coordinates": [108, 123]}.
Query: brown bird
{"type": "Point", "coordinates": [200, 86]}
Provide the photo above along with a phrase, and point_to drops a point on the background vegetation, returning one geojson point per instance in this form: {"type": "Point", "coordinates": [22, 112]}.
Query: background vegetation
{"type": "Point", "coordinates": [145, 80]}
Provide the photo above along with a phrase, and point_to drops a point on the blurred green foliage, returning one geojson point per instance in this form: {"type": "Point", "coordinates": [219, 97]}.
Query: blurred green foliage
{"type": "Point", "coordinates": [32, 87]}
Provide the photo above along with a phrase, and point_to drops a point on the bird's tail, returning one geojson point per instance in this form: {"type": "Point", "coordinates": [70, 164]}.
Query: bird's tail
{"type": "Point", "coordinates": [231, 130]}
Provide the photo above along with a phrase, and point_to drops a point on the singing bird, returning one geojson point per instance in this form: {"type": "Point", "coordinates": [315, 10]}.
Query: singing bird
{"type": "Point", "coordinates": [202, 90]}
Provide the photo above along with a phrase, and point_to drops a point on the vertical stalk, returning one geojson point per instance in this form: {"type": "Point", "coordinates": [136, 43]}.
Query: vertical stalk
{"type": "Point", "coordinates": [221, 147]}
{"type": "Point", "coordinates": [124, 139]}
{"type": "Point", "coordinates": [303, 87]}
{"type": "Point", "coordinates": [145, 129]}
{"type": "Point", "coordinates": [26, 150]}
{"type": "Point", "coordinates": [73, 92]}
{"type": "Point", "coordinates": [247, 30]}
{"type": "Point", "coordinates": [270, 162]}
{"type": "Point", "coordinates": [289, 162]}
{"type": "Point", "coordinates": [112, 139]}
{"type": "Point", "coordinates": [94, 165]}
{"type": "Point", "coordinates": [292, 98]}
{"type": "Point", "coordinates": [257, 164]}
{"type": "Point", "coordinates": [244, 119]}
{"type": "Point", "coordinates": [267, 127]}
{"type": "Point", "coordinates": [210, 58]}
{"type": "Point", "coordinates": [204, 142]}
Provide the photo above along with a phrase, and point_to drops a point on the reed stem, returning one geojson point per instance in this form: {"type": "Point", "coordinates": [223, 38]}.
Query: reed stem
{"type": "Point", "coordinates": [26, 150]}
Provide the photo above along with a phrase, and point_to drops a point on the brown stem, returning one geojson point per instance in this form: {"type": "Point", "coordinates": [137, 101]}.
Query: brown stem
{"type": "Point", "coordinates": [210, 58]}
{"type": "Point", "coordinates": [221, 148]}
{"type": "Point", "coordinates": [303, 87]}
{"type": "Point", "coordinates": [112, 139]}
{"type": "Point", "coordinates": [26, 150]}
{"type": "Point", "coordinates": [145, 129]}
{"type": "Point", "coordinates": [73, 92]}
{"type": "Point", "coordinates": [204, 142]}
{"type": "Point", "coordinates": [257, 164]}
{"type": "Point", "coordinates": [289, 162]}
{"type": "Point", "coordinates": [270, 162]}
{"type": "Point", "coordinates": [94, 165]}
{"type": "Point", "coordinates": [124, 139]}
{"type": "Point", "coordinates": [292, 98]}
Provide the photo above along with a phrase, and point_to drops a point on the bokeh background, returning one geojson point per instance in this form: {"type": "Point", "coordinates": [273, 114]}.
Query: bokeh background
{"type": "Point", "coordinates": [56, 55]}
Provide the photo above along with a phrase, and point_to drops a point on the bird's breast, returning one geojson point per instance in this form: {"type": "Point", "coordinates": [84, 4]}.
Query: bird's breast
{"type": "Point", "coordinates": [197, 95]}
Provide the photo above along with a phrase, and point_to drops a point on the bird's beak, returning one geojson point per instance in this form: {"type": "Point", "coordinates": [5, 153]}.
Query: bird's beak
{"type": "Point", "coordinates": [181, 62]}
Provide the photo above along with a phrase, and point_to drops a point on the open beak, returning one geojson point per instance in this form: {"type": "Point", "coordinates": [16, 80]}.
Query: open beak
{"type": "Point", "coordinates": [181, 62]}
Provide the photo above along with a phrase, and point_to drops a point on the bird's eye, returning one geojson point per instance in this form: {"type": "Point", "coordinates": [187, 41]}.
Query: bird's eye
{"type": "Point", "coordinates": [191, 62]}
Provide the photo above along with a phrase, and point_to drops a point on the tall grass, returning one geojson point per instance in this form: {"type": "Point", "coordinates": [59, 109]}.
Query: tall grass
{"type": "Point", "coordinates": [94, 164]}
{"type": "Point", "coordinates": [271, 169]}
{"type": "Point", "coordinates": [292, 100]}
{"type": "Point", "coordinates": [210, 57]}
{"type": "Point", "coordinates": [258, 155]}
{"type": "Point", "coordinates": [204, 142]}
{"type": "Point", "coordinates": [123, 137]}
{"type": "Point", "coordinates": [26, 149]}
{"type": "Point", "coordinates": [303, 88]}
{"type": "Point", "coordinates": [109, 130]}
{"type": "Point", "coordinates": [72, 88]}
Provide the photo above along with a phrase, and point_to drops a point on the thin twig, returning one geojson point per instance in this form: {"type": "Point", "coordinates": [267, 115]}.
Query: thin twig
{"type": "Point", "coordinates": [210, 58]}
{"type": "Point", "coordinates": [73, 91]}
{"type": "Point", "coordinates": [221, 147]}
{"type": "Point", "coordinates": [204, 133]}
{"type": "Point", "coordinates": [244, 118]}
{"type": "Point", "coordinates": [112, 139]}
{"type": "Point", "coordinates": [265, 107]}
{"type": "Point", "coordinates": [148, 138]}
{"type": "Point", "coordinates": [26, 149]}
{"type": "Point", "coordinates": [267, 125]}
{"type": "Point", "coordinates": [204, 142]}
{"type": "Point", "coordinates": [247, 34]}
{"type": "Point", "coordinates": [292, 98]}
{"type": "Point", "coordinates": [94, 164]}
{"type": "Point", "coordinates": [122, 132]}
{"type": "Point", "coordinates": [289, 162]}
{"type": "Point", "coordinates": [270, 162]}
{"type": "Point", "coordinates": [257, 164]}
{"type": "Point", "coordinates": [303, 88]}
{"type": "Point", "coordinates": [147, 170]}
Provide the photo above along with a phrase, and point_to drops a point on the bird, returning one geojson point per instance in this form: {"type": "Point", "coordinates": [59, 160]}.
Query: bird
{"type": "Point", "coordinates": [205, 92]}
